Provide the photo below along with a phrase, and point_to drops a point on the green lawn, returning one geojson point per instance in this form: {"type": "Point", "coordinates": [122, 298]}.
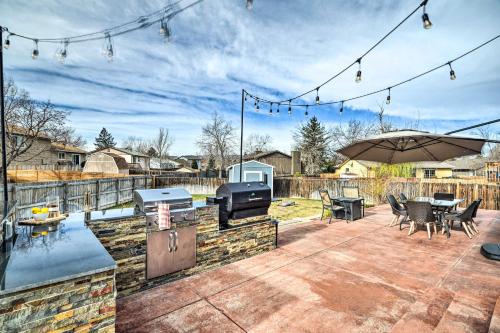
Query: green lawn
{"type": "Point", "coordinates": [302, 207]}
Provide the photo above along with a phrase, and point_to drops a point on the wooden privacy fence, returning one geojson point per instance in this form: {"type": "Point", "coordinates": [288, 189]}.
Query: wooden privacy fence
{"type": "Point", "coordinates": [375, 190]}
{"type": "Point", "coordinates": [105, 193]}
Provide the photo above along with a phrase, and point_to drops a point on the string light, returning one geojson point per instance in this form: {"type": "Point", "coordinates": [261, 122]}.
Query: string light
{"type": "Point", "coordinates": [34, 53]}
{"type": "Point", "coordinates": [271, 109]}
{"type": "Point", "coordinates": [307, 110]}
{"type": "Point", "coordinates": [62, 52]}
{"type": "Point", "coordinates": [107, 50]}
{"type": "Point", "coordinates": [6, 44]}
{"type": "Point", "coordinates": [425, 17]}
{"type": "Point", "coordinates": [290, 107]}
{"type": "Point", "coordinates": [165, 30]}
{"type": "Point", "coordinates": [341, 107]}
{"type": "Point", "coordinates": [358, 74]}
{"type": "Point", "coordinates": [452, 72]}
{"type": "Point", "coordinates": [278, 109]}
{"type": "Point", "coordinates": [317, 95]}
{"type": "Point", "coordinates": [249, 4]}
{"type": "Point", "coordinates": [258, 107]}
{"type": "Point", "coordinates": [388, 100]}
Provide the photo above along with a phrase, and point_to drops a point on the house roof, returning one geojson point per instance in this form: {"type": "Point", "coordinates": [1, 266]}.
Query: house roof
{"type": "Point", "coordinates": [13, 129]}
{"type": "Point", "coordinates": [190, 157]}
{"type": "Point", "coordinates": [67, 148]}
{"type": "Point", "coordinates": [432, 165]}
{"type": "Point", "coordinates": [154, 163]}
{"type": "Point", "coordinates": [251, 161]}
{"type": "Point", "coordinates": [367, 164]}
{"type": "Point", "coordinates": [265, 154]}
{"type": "Point", "coordinates": [123, 150]}
{"type": "Point", "coordinates": [467, 163]}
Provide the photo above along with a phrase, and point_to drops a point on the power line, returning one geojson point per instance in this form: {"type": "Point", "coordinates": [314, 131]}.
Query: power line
{"type": "Point", "coordinates": [427, 25]}
{"type": "Point", "coordinates": [342, 101]}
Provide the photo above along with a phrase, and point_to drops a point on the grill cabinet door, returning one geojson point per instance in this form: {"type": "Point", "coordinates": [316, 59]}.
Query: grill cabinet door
{"type": "Point", "coordinates": [159, 260]}
{"type": "Point", "coordinates": [185, 254]}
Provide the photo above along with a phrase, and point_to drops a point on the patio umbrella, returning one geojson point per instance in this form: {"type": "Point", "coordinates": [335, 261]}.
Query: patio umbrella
{"type": "Point", "coordinates": [412, 146]}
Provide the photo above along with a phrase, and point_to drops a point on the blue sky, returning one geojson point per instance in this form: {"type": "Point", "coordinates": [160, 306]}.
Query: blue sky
{"type": "Point", "coordinates": [278, 49]}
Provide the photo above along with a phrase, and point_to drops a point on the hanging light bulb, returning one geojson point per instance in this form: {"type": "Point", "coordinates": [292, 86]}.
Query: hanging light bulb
{"type": "Point", "coordinates": [317, 95]}
{"type": "Point", "coordinates": [425, 19]}
{"type": "Point", "coordinates": [307, 111]}
{"type": "Point", "coordinates": [6, 44]}
{"type": "Point", "coordinates": [341, 107]}
{"type": "Point", "coordinates": [108, 51]}
{"type": "Point", "coordinates": [249, 4]}
{"type": "Point", "coordinates": [62, 52]}
{"type": "Point", "coordinates": [278, 109]}
{"type": "Point", "coordinates": [358, 74]}
{"type": "Point", "coordinates": [452, 72]}
{"type": "Point", "coordinates": [388, 100]}
{"type": "Point", "coordinates": [290, 107]}
{"type": "Point", "coordinates": [270, 109]}
{"type": "Point", "coordinates": [258, 107]}
{"type": "Point", "coordinates": [165, 30]}
{"type": "Point", "coordinates": [34, 53]}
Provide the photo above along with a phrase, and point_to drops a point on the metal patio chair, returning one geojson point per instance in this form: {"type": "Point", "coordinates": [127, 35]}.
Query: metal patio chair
{"type": "Point", "coordinates": [420, 212]}
{"type": "Point", "coordinates": [329, 205]}
{"type": "Point", "coordinates": [402, 197]}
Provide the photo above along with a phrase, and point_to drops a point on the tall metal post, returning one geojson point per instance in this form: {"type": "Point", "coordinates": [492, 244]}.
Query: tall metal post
{"type": "Point", "coordinates": [2, 120]}
{"type": "Point", "coordinates": [241, 133]}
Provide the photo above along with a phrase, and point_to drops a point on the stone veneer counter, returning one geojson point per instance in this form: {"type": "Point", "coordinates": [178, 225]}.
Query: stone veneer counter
{"type": "Point", "coordinates": [68, 253]}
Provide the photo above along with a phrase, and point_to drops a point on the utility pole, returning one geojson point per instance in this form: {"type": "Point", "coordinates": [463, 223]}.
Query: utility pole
{"type": "Point", "coordinates": [2, 125]}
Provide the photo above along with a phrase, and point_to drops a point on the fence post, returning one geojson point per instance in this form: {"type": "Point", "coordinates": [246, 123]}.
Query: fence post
{"type": "Point", "coordinates": [97, 194]}
{"type": "Point", "coordinates": [117, 186]}
{"type": "Point", "coordinates": [65, 197]}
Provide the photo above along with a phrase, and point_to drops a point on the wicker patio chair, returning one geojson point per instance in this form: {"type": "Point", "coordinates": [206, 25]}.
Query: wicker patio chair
{"type": "Point", "coordinates": [402, 197]}
{"type": "Point", "coordinates": [353, 192]}
{"type": "Point", "coordinates": [420, 212]}
{"type": "Point", "coordinates": [397, 210]}
{"type": "Point", "coordinates": [473, 223]}
{"type": "Point", "coordinates": [329, 205]}
{"type": "Point", "coordinates": [464, 217]}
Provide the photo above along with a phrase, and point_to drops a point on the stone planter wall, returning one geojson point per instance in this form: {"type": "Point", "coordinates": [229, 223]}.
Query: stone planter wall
{"type": "Point", "coordinates": [82, 304]}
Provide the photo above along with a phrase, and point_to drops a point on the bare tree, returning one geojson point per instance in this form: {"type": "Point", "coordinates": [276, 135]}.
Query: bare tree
{"type": "Point", "coordinates": [345, 135]}
{"type": "Point", "coordinates": [162, 143]}
{"type": "Point", "coordinates": [384, 125]}
{"type": "Point", "coordinates": [490, 149]}
{"type": "Point", "coordinates": [136, 144]}
{"type": "Point", "coordinates": [218, 140]}
{"type": "Point", "coordinates": [28, 120]}
{"type": "Point", "coordinates": [258, 143]}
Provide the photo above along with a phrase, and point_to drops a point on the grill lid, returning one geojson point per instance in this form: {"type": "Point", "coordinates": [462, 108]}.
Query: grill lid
{"type": "Point", "coordinates": [172, 195]}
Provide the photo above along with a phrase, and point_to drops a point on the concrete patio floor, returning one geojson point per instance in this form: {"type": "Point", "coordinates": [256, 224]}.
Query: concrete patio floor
{"type": "Point", "coordinates": [356, 277]}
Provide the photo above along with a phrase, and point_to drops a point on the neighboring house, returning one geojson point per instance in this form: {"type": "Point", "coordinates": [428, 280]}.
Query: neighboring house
{"type": "Point", "coordinates": [281, 162]}
{"type": "Point", "coordinates": [468, 167]}
{"type": "Point", "coordinates": [356, 169]}
{"type": "Point", "coordinates": [429, 170]}
{"type": "Point", "coordinates": [106, 163]}
{"type": "Point", "coordinates": [136, 161]}
{"type": "Point", "coordinates": [187, 160]}
{"type": "Point", "coordinates": [68, 154]}
{"type": "Point", "coordinates": [186, 170]}
{"type": "Point", "coordinates": [166, 164]}
{"type": "Point", "coordinates": [45, 152]}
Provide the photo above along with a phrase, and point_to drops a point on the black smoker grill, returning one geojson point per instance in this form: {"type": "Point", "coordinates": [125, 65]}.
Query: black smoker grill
{"type": "Point", "coordinates": [242, 200]}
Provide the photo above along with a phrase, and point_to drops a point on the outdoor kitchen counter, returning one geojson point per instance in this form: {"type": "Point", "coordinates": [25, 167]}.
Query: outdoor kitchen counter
{"type": "Point", "coordinates": [68, 253]}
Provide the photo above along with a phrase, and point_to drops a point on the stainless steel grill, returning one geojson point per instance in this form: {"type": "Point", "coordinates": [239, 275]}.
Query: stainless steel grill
{"type": "Point", "coordinates": [179, 199]}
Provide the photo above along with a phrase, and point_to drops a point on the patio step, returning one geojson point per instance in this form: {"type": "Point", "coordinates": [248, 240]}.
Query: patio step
{"type": "Point", "coordinates": [426, 313]}
{"type": "Point", "coordinates": [495, 318]}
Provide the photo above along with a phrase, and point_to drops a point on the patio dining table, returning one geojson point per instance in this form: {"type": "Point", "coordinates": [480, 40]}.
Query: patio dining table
{"type": "Point", "coordinates": [440, 207]}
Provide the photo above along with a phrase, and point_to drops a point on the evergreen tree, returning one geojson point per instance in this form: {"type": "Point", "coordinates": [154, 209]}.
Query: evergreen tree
{"type": "Point", "coordinates": [104, 140]}
{"type": "Point", "coordinates": [312, 140]}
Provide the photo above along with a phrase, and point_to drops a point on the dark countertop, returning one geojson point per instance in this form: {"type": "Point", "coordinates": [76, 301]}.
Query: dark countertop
{"type": "Point", "coordinates": [70, 252]}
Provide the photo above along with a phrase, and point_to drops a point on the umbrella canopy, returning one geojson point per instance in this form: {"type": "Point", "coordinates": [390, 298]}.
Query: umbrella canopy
{"type": "Point", "coordinates": [412, 146]}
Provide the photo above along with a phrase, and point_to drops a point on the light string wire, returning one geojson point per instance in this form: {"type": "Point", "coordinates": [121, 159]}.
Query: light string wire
{"type": "Point", "coordinates": [387, 88]}
{"type": "Point", "coordinates": [357, 61]}
{"type": "Point", "coordinates": [165, 13]}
